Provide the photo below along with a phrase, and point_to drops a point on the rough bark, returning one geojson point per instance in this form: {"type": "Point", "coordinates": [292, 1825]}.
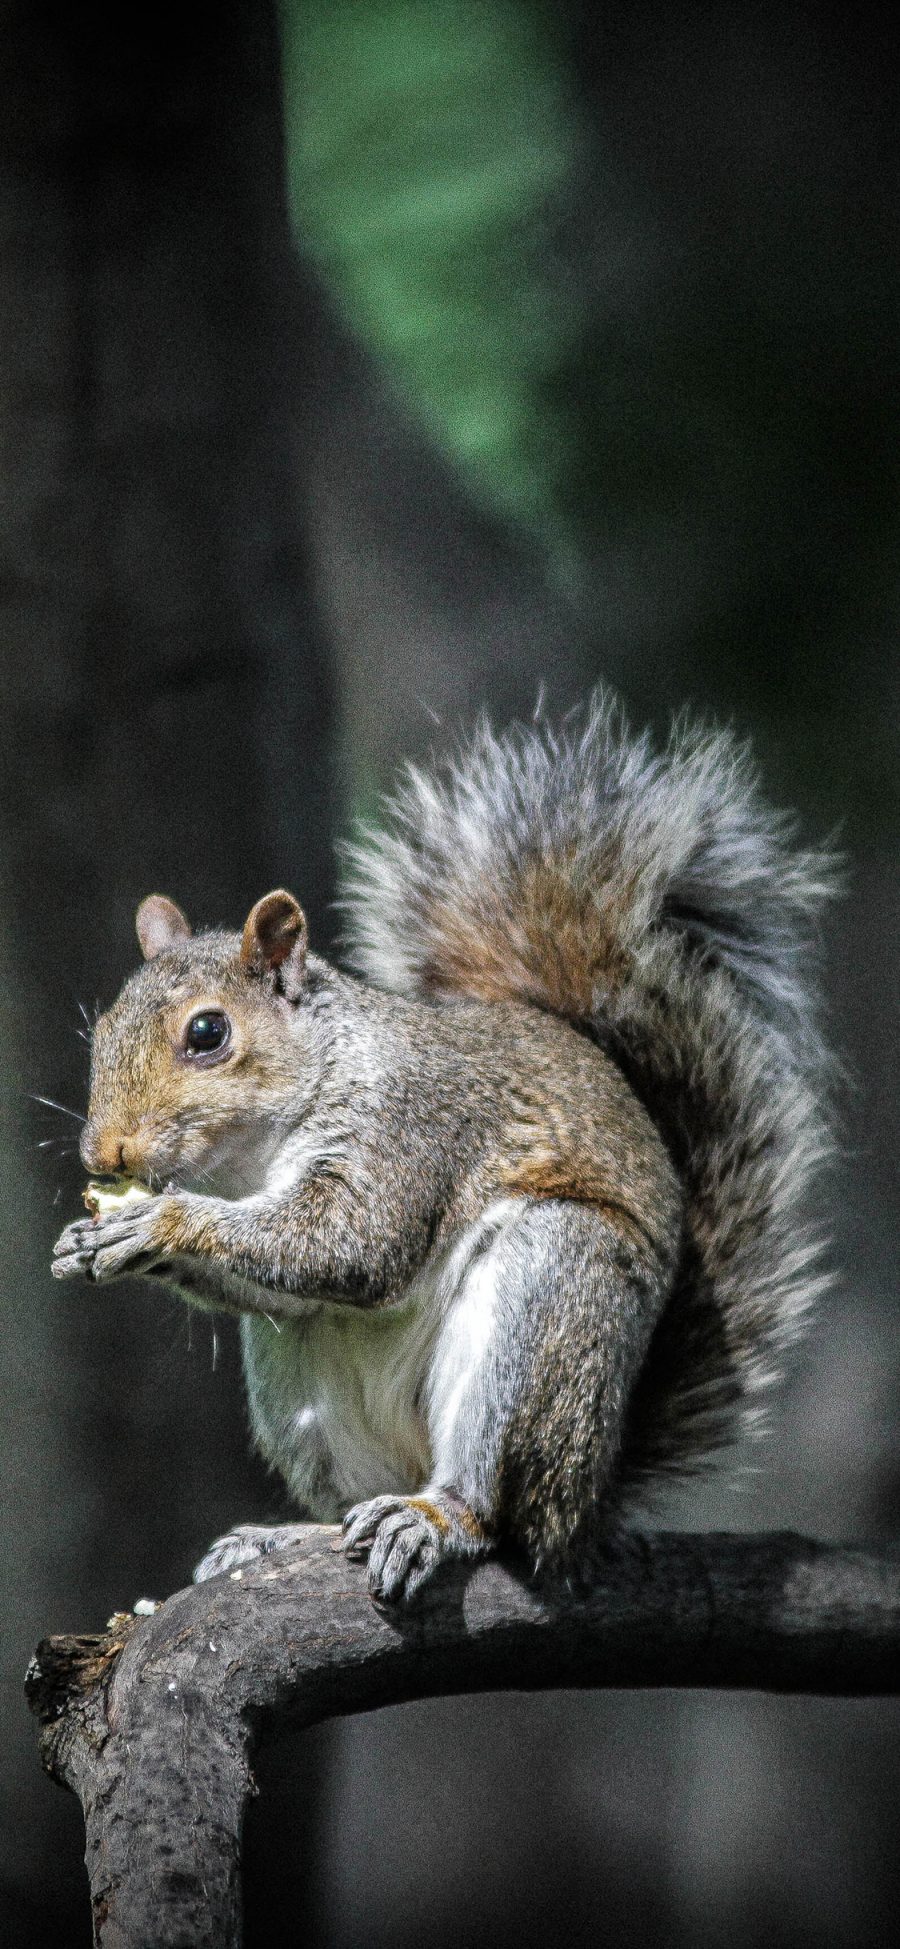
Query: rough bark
{"type": "Point", "coordinates": [153, 1723]}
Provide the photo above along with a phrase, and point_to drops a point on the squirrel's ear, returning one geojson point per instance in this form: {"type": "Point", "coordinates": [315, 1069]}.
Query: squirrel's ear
{"type": "Point", "coordinates": [160, 924]}
{"type": "Point", "coordinates": [276, 937]}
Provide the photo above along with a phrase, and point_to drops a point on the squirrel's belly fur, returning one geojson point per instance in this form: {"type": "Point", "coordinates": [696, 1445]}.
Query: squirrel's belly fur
{"type": "Point", "coordinates": [347, 1403]}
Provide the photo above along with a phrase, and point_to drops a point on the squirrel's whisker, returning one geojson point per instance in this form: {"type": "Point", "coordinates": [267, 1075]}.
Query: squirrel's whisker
{"type": "Point", "coordinates": [63, 1108]}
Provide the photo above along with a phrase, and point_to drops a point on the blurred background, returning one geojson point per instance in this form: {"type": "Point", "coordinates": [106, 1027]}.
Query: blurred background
{"type": "Point", "coordinates": [361, 365]}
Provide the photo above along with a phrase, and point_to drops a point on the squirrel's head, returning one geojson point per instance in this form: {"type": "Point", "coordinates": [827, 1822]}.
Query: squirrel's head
{"type": "Point", "coordinates": [196, 1063]}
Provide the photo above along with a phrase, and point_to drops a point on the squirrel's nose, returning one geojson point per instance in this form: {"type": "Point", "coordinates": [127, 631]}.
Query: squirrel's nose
{"type": "Point", "coordinates": [102, 1151]}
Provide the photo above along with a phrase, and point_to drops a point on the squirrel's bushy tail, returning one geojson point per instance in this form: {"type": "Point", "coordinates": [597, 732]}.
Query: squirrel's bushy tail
{"type": "Point", "coordinates": [656, 898]}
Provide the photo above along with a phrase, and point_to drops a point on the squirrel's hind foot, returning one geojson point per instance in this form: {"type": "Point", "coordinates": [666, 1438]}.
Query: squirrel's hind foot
{"type": "Point", "coordinates": [406, 1537]}
{"type": "Point", "coordinates": [246, 1543]}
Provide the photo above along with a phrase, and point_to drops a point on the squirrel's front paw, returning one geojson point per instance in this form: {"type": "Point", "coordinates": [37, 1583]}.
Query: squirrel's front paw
{"type": "Point", "coordinates": [406, 1537]}
{"type": "Point", "coordinates": [126, 1241]}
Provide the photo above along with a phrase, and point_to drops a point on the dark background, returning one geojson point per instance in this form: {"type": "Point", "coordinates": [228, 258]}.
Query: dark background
{"type": "Point", "coordinates": [564, 348]}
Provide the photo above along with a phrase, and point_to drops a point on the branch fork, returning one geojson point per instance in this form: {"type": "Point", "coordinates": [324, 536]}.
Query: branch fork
{"type": "Point", "coordinates": [154, 1722]}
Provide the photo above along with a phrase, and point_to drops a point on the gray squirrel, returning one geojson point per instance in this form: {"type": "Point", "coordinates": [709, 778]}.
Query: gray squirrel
{"type": "Point", "coordinates": [514, 1214]}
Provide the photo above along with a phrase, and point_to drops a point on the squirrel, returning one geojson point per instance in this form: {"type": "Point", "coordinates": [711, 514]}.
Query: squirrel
{"type": "Point", "coordinates": [513, 1212]}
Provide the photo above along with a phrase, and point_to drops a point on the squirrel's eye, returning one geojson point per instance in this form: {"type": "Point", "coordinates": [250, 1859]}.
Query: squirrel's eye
{"type": "Point", "coordinates": [206, 1033]}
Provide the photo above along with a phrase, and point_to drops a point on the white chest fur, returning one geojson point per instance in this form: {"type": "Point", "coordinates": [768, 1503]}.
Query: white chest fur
{"type": "Point", "coordinates": [348, 1403]}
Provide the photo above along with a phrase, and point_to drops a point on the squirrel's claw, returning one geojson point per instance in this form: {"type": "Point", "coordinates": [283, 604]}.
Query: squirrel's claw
{"type": "Point", "coordinates": [106, 1248]}
{"type": "Point", "coordinates": [246, 1543]}
{"type": "Point", "coordinates": [72, 1252]}
{"type": "Point", "coordinates": [406, 1537]}
{"type": "Point", "coordinates": [400, 1543]}
{"type": "Point", "coordinates": [360, 1524]}
{"type": "Point", "coordinates": [403, 1556]}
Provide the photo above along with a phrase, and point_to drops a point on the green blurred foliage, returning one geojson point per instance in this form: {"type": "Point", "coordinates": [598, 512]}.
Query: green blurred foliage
{"type": "Point", "coordinates": [634, 278]}
{"type": "Point", "coordinates": [429, 152]}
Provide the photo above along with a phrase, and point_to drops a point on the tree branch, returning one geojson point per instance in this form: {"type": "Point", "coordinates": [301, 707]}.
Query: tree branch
{"type": "Point", "coordinates": [153, 1723]}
